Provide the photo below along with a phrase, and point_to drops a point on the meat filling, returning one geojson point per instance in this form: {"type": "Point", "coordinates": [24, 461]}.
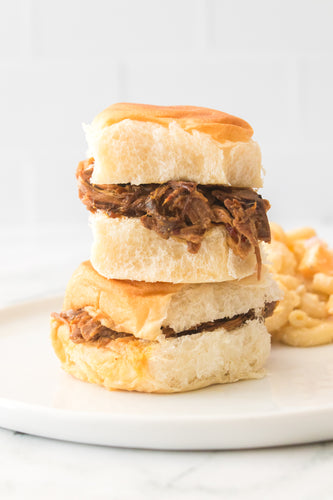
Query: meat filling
{"type": "Point", "coordinates": [85, 328]}
{"type": "Point", "coordinates": [183, 210]}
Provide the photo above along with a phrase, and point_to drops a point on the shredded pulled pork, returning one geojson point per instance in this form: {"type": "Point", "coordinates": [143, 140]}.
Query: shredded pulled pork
{"type": "Point", "coordinates": [85, 328]}
{"type": "Point", "coordinates": [184, 210]}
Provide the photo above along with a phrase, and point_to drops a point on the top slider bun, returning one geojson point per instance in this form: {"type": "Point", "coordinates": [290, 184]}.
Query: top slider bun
{"type": "Point", "coordinates": [142, 144]}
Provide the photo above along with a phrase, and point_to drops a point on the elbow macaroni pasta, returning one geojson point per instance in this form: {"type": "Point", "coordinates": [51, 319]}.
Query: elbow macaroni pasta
{"type": "Point", "coordinates": [302, 264]}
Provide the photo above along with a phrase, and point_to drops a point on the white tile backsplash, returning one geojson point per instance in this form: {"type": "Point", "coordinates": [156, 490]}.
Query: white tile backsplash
{"type": "Point", "coordinates": [298, 184]}
{"type": "Point", "coordinates": [63, 62]}
{"type": "Point", "coordinates": [267, 26]}
{"type": "Point", "coordinates": [108, 28]}
{"type": "Point", "coordinates": [254, 88]}
{"type": "Point", "coordinates": [56, 195]}
{"type": "Point", "coordinates": [13, 198]}
{"type": "Point", "coordinates": [15, 106]}
{"type": "Point", "coordinates": [316, 95]}
{"type": "Point", "coordinates": [65, 94]}
{"type": "Point", "coordinates": [14, 29]}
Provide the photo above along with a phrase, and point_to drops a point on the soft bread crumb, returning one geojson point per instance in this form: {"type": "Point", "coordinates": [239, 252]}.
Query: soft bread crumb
{"type": "Point", "coordinates": [142, 308]}
{"type": "Point", "coordinates": [140, 152]}
{"type": "Point", "coordinates": [124, 249]}
{"type": "Point", "coordinates": [172, 365]}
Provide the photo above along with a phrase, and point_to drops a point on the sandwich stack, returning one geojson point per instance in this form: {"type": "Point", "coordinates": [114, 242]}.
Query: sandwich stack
{"type": "Point", "coordinates": [176, 291]}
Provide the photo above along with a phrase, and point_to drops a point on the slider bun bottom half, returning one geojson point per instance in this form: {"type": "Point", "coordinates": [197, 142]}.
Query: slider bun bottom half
{"type": "Point", "coordinates": [124, 249]}
{"type": "Point", "coordinates": [170, 365]}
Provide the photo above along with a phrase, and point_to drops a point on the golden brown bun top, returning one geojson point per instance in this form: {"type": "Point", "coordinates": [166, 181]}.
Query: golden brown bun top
{"type": "Point", "coordinates": [126, 306]}
{"type": "Point", "coordinates": [86, 287]}
{"type": "Point", "coordinates": [220, 126]}
{"type": "Point", "coordinates": [141, 308]}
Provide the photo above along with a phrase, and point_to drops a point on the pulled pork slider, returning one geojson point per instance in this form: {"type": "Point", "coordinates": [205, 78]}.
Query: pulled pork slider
{"type": "Point", "coordinates": [172, 192]}
{"type": "Point", "coordinates": [163, 337]}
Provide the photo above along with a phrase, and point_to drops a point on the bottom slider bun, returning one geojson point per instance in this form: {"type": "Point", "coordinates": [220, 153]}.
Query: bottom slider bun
{"type": "Point", "coordinates": [163, 337]}
{"type": "Point", "coordinates": [169, 365]}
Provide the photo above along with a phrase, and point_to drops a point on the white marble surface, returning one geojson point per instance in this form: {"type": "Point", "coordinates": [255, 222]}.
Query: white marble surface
{"type": "Point", "coordinates": [37, 468]}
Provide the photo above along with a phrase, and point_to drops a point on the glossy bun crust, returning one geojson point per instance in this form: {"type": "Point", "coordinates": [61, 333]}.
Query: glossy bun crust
{"type": "Point", "coordinates": [219, 125]}
{"type": "Point", "coordinates": [140, 144]}
{"type": "Point", "coordinates": [142, 309]}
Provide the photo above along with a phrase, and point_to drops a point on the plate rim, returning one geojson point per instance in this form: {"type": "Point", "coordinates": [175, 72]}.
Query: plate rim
{"type": "Point", "coordinates": [59, 423]}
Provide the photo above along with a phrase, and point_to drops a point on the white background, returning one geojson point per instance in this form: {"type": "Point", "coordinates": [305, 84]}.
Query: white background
{"type": "Point", "coordinates": [61, 62]}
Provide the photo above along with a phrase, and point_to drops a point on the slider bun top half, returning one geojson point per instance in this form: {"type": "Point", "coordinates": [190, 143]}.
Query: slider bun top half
{"type": "Point", "coordinates": [142, 308]}
{"type": "Point", "coordinates": [220, 126]}
{"type": "Point", "coordinates": [140, 144]}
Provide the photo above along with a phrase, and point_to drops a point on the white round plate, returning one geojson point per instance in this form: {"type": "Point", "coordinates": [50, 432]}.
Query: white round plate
{"type": "Point", "coordinates": [292, 404]}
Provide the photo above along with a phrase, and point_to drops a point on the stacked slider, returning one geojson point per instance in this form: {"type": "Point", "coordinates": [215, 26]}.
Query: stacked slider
{"type": "Point", "coordinates": [176, 292]}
